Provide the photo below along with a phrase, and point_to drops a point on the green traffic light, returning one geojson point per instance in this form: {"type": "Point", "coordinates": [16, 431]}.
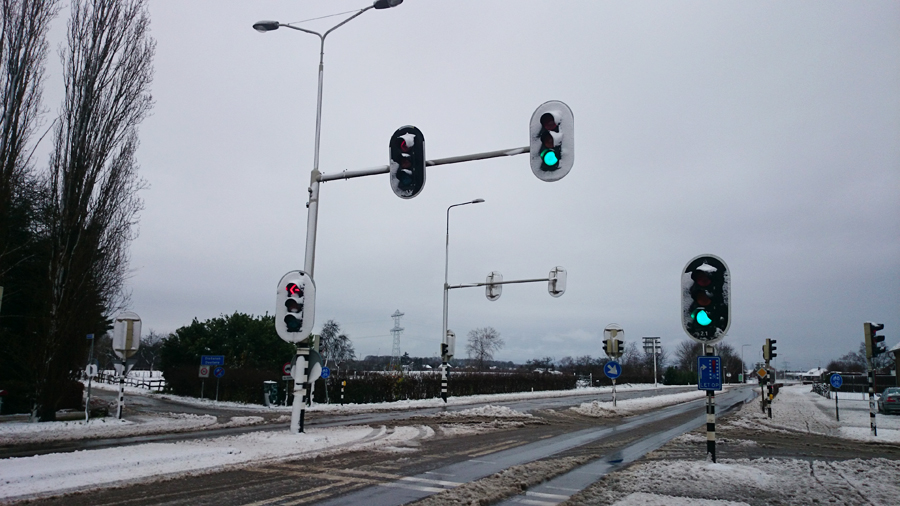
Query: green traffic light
{"type": "Point", "coordinates": [702, 317]}
{"type": "Point", "coordinates": [549, 157]}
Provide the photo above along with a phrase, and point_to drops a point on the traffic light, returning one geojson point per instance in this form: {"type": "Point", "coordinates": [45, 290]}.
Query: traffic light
{"type": "Point", "coordinates": [552, 141]}
{"type": "Point", "coordinates": [492, 291]}
{"type": "Point", "coordinates": [874, 343]}
{"type": "Point", "coordinates": [768, 350]}
{"type": "Point", "coordinates": [295, 306]}
{"type": "Point", "coordinates": [407, 162]}
{"type": "Point", "coordinates": [556, 283]}
{"type": "Point", "coordinates": [448, 346]}
{"type": "Point", "coordinates": [609, 348]}
{"type": "Point", "coordinates": [706, 299]}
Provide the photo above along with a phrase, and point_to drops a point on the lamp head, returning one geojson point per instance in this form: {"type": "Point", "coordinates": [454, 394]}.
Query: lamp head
{"type": "Point", "coordinates": [386, 4]}
{"type": "Point", "coordinates": [265, 26]}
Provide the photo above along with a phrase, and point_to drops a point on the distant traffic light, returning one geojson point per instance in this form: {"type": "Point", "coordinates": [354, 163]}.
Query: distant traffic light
{"type": "Point", "coordinates": [874, 343]}
{"type": "Point", "coordinates": [407, 162]}
{"type": "Point", "coordinates": [706, 299]}
{"type": "Point", "coordinates": [768, 350]}
{"type": "Point", "coordinates": [491, 290]}
{"type": "Point", "coordinates": [609, 346]}
{"type": "Point", "coordinates": [448, 346]}
{"type": "Point", "coordinates": [552, 141]}
{"type": "Point", "coordinates": [295, 306]}
{"type": "Point", "coordinates": [556, 283]}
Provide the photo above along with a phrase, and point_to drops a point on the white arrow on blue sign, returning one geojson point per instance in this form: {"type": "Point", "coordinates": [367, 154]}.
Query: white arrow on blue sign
{"type": "Point", "coordinates": [612, 369]}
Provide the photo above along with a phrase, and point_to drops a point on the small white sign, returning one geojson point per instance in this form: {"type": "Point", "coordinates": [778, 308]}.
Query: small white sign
{"type": "Point", "coordinates": [204, 371]}
{"type": "Point", "coordinates": [91, 371]}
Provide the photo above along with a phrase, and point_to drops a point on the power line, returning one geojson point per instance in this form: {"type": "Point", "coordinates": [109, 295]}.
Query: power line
{"type": "Point", "coordinates": [321, 17]}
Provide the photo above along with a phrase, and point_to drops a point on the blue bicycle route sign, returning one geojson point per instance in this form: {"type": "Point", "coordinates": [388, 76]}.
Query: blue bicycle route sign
{"type": "Point", "coordinates": [836, 381]}
{"type": "Point", "coordinates": [219, 372]}
{"type": "Point", "coordinates": [612, 369]}
{"type": "Point", "coordinates": [326, 372]}
{"type": "Point", "coordinates": [710, 373]}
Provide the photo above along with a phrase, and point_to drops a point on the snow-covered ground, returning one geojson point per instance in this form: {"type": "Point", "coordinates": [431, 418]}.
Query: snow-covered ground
{"type": "Point", "coordinates": [672, 481]}
{"type": "Point", "coordinates": [797, 409]}
{"type": "Point", "coordinates": [731, 482]}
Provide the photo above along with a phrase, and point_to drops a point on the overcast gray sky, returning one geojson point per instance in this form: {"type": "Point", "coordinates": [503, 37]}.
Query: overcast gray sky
{"type": "Point", "coordinates": [767, 133]}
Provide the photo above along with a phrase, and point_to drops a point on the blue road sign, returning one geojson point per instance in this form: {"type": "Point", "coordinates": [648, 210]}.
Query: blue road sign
{"type": "Point", "coordinates": [90, 336]}
{"type": "Point", "coordinates": [219, 372]}
{"type": "Point", "coordinates": [836, 381]}
{"type": "Point", "coordinates": [212, 360]}
{"type": "Point", "coordinates": [710, 368]}
{"type": "Point", "coordinates": [326, 372]}
{"type": "Point", "coordinates": [612, 369]}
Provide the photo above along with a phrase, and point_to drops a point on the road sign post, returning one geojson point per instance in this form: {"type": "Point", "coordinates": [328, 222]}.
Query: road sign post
{"type": "Point", "coordinates": [709, 368]}
{"type": "Point", "coordinates": [613, 370]}
{"type": "Point", "coordinates": [836, 382]}
{"type": "Point", "coordinates": [218, 372]}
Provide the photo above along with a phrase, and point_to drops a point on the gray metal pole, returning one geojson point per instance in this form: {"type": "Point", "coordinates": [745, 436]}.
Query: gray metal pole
{"type": "Point", "coordinates": [446, 292]}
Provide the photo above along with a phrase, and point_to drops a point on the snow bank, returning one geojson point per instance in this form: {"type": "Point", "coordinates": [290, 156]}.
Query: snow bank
{"type": "Point", "coordinates": [485, 411]}
{"type": "Point", "coordinates": [631, 406]}
{"type": "Point", "coordinates": [135, 425]}
{"type": "Point", "coordinates": [645, 499]}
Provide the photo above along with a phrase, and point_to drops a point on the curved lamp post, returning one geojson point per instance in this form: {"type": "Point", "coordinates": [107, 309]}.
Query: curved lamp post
{"type": "Point", "coordinates": [313, 205]}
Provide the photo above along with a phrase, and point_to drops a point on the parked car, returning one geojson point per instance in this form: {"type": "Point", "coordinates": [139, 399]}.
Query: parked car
{"type": "Point", "coordinates": [889, 401]}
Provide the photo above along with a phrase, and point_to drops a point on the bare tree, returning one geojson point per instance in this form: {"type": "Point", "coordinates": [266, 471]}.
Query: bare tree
{"type": "Point", "coordinates": [686, 354]}
{"type": "Point", "coordinates": [92, 183]}
{"type": "Point", "coordinates": [23, 52]}
{"type": "Point", "coordinates": [483, 342]}
{"type": "Point", "coordinates": [335, 345]}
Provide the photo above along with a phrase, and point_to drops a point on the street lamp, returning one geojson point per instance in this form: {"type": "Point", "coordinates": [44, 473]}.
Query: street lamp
{"type": "Point", "coordinates": [309, 261]}
{"type": "Point", "coordinates": [446, 261]}
{"type": "Point", "coordinates": [313, 205]}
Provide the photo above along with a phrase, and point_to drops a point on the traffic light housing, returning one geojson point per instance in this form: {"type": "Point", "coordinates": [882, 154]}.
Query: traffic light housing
{"type": "Point", "coordinates": [768, 350]}
{"type": "Point", "coordinates": [556, 283]}
{"type": "Point", "coordinates": [609, 348]}
{"type": "Point", "coordinates": [295, 306]}
{"type": "Point", "coordinates": [448, 346]}
{"type": "Point", "coordinates": [491, 290]}
{"type": "Point", "coordinates": [552, 141]}
{"type": "Point", "coordinates": [874, 343]}
{"type": "Point", "coordinates": [706, 299]}
{"type": "Point", "coordinates": [407, 162]}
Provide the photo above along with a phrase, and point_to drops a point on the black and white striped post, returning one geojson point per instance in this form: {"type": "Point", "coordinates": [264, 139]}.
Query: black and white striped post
{"type": "Point", "coordinates": [121, 405]}
{"type": "Point", "coordinates": [444, 381]}
{"type": "Point", "coordinates": [872, 426]}
{"type": "Point", "coordinates": [343, 385]}
{"type": "Point", "coordinates": [710, 415]}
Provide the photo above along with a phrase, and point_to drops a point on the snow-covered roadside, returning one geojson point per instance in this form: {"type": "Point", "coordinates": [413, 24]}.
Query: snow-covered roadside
{"type": "Point", "coordinates": [729, 482]}
{"type": "Point", "coordinates": [61, 472]}
{"type": "Point", "coordinates": [389, 406]}
{"type": "Point", "coordinates": [743, 481]}
{"type": "Point", "coordinates": [29, 433]}
{"type": "Point", "coordinates": [797, 409]}
{"type": "Point", "coordinates": [631, 406]}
